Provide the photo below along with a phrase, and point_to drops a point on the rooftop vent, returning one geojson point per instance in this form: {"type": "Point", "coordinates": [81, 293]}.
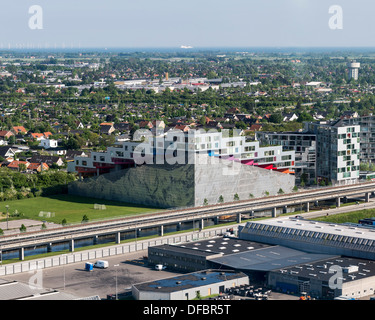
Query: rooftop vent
{"type": "Point", "coordinates": [350, 269]}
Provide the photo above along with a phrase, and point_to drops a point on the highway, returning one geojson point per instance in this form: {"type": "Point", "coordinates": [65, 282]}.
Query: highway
{"type": "Point", "coordinates": [183, 215]}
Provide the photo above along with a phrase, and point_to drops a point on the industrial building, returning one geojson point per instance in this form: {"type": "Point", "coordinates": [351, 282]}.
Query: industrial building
{"type": "Point", "coordinates": [329, 278]}
{"type": "Point", "coordinates": [289, 255]}
{"type": "Point", "coordinates": [313, 236]}
{"type": "Point", "coordinates": [189, 286]}
{"type": "Point", "coordinates": [198, 255]}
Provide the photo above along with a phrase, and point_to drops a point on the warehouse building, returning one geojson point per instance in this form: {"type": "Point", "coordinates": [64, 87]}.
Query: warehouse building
{"type": "Point", "coordinates": [197, 255]}
{"type": "Point", "coordinates": [327, 279]}
{"type": "Point", "coordinates": [337, 263]}
{"type": "Point", "coordinates": [313, 236]}
{"type": "Point", "coordinates": [189, 286]}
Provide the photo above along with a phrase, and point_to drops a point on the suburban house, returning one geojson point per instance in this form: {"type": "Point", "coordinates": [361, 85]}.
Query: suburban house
{"type": "Point", "coordinates": [6, 134]}
{"type": "Point", "coordinates": [48, 143]}
{"type": "Point", "coordinates": [49, 160]}
{"type": "Point", "coordinates": [7, 153]}
{"type": "Point", "coordinates": [107, 128]}
{"type": "Point", "coordinates": [122, 126]}
{"type": "Point", "coordinates": [19, 130]}
{"type": "Point", "coordinates": [37, 167]}
{"type": "Point", "coordinates": [79, 125]}
{"type": "Point", "coordinates": [40, 136]}
{"type": "Point", "coordinates": [145, 124]}
{"type": "Point", "coordinates": [70, 154]}
{"type": "Point", "coordinates": [16, 165]}
{"type": "Point", "coordinates": [289, 117]}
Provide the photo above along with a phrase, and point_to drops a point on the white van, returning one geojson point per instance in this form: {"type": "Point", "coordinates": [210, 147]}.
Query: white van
{"type": "Point", "coordinates": [101, 264]}
{"type": "Point", "coordinates": [160, 267]}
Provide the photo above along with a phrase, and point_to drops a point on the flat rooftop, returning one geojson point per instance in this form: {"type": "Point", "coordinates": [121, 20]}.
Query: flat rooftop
{"type": "Point", "coordinates": [318, 227]}
{"type": "Point", "coordinates": [319, 270]}
{"type": "Point", "coordinates": [223, 245]}
{"type": "Point", "coordinates": [190, 280]}
{"type": "Point", "coordinates": [268, 259]}
{"type": "Point", "coordinates": [14, 290]}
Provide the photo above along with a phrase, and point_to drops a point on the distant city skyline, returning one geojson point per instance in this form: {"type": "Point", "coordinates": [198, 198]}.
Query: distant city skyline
{"type": "Point", "coordinates": [168, 23]}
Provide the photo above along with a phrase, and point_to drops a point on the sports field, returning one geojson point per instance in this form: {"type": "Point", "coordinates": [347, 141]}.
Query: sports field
{"type": "Point", "coordinates": [69, 207]}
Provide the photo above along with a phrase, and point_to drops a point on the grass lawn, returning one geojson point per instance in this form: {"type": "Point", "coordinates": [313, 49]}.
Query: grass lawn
{"type": "Point", "coordinates": [72, 208]}
{"type": "Point", "coordinates": [352, 217]}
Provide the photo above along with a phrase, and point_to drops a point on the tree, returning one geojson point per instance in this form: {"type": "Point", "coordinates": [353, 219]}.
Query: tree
{"type": "Point", "coordinates": [205, 202]}
{"type": "Point", "coordinates": [221, 199]}
{"type": "Point", "coordinates": [85, 219]}
{"type": "Point", "coordinates": [276, 117]}
{"type": "Point", "coordinates": [236, 197]}
{"type": "Point", "coordinates": [304, 116]}
{"type": "Point", "coordinates": [23, 228]}
{"type": "Point", "coordinates": [64, 222]}
{"type": "Point", "coordinates": [22, 167]}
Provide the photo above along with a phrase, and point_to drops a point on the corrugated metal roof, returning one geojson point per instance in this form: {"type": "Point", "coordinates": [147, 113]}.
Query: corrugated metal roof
{"type": "Point", "coordinates": [268, 259]}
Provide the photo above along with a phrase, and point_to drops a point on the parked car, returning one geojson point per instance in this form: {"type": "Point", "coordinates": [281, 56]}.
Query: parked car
{"type": "Point", "coordinates": [101, 264]}
{"type": "Point", "coordinates": [160, 267]}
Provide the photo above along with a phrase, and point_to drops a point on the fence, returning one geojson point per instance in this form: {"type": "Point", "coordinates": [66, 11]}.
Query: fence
{"type": "Point", "coordinates": [59, 260]}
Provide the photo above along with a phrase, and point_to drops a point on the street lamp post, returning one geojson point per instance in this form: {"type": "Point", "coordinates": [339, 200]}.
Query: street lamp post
{"type": "Point", "coordinates": [7, 207]}
{"type": "Point", "coordinates": [116, 265]}
{"type": "Point", "coordinates": [65, 256]}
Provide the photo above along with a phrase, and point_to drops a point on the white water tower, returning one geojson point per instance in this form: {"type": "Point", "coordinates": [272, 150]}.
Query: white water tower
{"type": "Point", "coordinates": [353, 70]}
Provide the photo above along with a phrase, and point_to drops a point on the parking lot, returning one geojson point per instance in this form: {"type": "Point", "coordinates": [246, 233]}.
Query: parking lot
{"type": "Point", "coordinates": [127, 269]}
{"type": "Point", "coordinates": [74, 279]}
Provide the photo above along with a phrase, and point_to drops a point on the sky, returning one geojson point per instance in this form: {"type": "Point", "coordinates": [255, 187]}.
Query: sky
{"type": "Point", "coordinates": [197, 23]}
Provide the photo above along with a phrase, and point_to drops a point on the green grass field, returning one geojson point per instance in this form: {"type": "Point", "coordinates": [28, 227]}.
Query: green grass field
{"type": "Point", "coordinates": [352, 217]}
{"type": "Point", "coordinates": [72, 208]}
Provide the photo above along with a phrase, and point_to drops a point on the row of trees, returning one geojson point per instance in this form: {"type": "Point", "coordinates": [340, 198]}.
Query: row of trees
{"type": "Point", "coordinates": [16, 185]}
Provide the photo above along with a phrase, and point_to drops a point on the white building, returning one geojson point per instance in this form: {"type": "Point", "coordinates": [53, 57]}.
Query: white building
{"type": "Point", "coordinates": [353, 68]}
{"type": "Point", "coordinates": [48, 143]}
{"type": "Point", "coordinates": [338, 151]}
{"type": "Point", "coordinates": [189, 286]}
{"type": "Point", "coordinates": [179, 147]}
